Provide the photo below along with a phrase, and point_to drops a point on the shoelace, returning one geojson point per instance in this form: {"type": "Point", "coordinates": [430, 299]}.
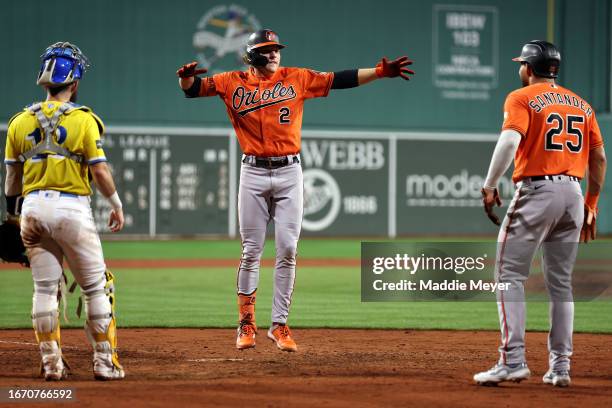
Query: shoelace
{"type": "Point", "coordinates": [284, 331]}
{"type": "Point", "coordinates": [246, 329]}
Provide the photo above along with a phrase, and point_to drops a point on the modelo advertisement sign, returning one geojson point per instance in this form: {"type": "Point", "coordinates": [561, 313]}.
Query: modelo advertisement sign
{"type": "Point", "coordinates": [438, 187]}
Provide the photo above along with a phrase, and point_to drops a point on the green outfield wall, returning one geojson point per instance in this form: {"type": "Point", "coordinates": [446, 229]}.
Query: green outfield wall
{"type": "Point", "coordinates": [462, 51]}
{"type": "Point", "coordinates": [388, 159]}
{"type": "Point", "coordinates": [184, 181]}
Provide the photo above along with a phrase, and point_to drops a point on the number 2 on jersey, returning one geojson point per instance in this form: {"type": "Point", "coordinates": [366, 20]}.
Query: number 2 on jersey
{"type": "Point", "coordinates": [284, 113]}
{"type": "Point", "coordinates": [559, 125]}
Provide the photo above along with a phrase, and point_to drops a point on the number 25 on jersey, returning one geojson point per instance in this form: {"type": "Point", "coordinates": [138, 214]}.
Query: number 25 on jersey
{"type": "Point", "coordinates": [568, 125]}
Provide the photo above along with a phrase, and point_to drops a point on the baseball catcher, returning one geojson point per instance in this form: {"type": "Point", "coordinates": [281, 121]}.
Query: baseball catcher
{"type": "Point", "coordinates": [52, 148]}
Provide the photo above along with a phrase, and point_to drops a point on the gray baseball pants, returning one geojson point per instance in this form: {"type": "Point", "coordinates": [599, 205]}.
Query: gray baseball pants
{"type": "Point", "coordinates": [265, 195]}
{"type": "Point", "coordinates": [546, 214]}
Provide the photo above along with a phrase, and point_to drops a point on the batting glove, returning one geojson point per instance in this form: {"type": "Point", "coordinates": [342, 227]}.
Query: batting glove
{"type": "Point", "coordinates": [589, 228]}
{"type": "Point", "coordinates": [189, 70]}
{"type": "Point", "coordinates": [392, 69]}
{"type": "Point", "coordinates": [490, 197]}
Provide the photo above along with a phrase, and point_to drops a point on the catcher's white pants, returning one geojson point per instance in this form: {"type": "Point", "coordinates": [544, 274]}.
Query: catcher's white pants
{"type": "Point", "coordinates": [55, 225]}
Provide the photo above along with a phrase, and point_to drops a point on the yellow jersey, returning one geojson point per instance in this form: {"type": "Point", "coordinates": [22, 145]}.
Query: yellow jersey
{"type": "Point", "coordinates": [79, 131]}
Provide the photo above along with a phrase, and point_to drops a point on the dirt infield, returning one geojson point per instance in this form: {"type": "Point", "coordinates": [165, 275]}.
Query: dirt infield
{"type": "Point", "coordinates": [346, 368]}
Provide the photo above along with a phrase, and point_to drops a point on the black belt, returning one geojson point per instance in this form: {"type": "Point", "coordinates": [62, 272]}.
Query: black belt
{"type": "Point", "coordinates": [270, 162]}
{"type": "Point", "coordinates": [558, 177]}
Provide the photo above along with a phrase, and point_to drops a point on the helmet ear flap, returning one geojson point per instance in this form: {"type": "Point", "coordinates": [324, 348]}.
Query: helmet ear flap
{"type": "Point", "coordinates": [46, 73]}
{"type": "Point", "coordinates": [542, 57]}
{"type": "Point", "coordinates": [255, 59]}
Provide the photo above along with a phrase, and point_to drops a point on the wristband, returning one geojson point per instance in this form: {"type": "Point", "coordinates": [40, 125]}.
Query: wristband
{"type": "Point", "coordinates": [194, 90]}
{"type": "Point", "coordinates": [590, 200]}
{"type": "Point", "coordinates": [114, 201]}
{"type": "Point", "coordinates": [379, 71]}
{"type": "Point", "coordinates": [13, 204]}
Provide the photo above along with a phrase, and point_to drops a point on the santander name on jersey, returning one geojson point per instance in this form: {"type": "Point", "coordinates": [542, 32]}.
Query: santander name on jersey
{"type": "Point", "coordinates": [545, 99]}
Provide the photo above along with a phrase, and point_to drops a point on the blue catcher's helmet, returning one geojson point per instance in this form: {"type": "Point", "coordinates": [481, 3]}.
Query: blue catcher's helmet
{"type": "Point", "coordinates": [62, 64]}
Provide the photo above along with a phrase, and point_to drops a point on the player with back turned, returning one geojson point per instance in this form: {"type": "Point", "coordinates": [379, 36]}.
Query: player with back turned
{"type": "Point", "coordinates": [265, 104]}
{"type": "Point", "coordinates": [553, 136]}
{"type": "Point", "coordinates": [52, 148]}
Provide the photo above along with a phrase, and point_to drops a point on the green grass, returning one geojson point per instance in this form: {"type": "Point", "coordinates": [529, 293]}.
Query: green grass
{"type": "Point", "coordinates": [225, 249]}
{"type": "Point", "coordinates": [323, 298]}
{"type": "Point", "coordinates": [309, 248]}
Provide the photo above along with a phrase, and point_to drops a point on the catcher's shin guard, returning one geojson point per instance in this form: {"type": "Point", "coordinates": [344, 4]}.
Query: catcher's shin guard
{"type": "Point", "coordinates": [101, 328]}
{"type": "Point", "coordinates": [246, 322]}
{"type": "Point", "coordinates": [46, 324]}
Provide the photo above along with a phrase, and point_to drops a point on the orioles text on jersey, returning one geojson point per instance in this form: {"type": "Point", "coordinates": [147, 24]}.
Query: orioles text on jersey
{"type": "Point", "coordinates": [266, 112]}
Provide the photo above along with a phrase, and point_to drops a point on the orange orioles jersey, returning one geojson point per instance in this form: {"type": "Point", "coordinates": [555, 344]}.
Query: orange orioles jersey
{"type": "Point", "coordinates": [558, 128]}
{"type": "Point", "coordinates": [267, 112]}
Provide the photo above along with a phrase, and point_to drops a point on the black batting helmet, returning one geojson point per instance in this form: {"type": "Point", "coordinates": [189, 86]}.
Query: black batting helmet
{"type": "Point", "coordinates": [543, 58]}
{"type": "Point", "coordinates": [257, 40]}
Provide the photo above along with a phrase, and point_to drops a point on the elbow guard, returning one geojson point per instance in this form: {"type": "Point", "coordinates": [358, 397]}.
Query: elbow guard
{"type": "Point", "coordinates": [194, 90]}
{"type": "Point", "coordinates": [345, 79]}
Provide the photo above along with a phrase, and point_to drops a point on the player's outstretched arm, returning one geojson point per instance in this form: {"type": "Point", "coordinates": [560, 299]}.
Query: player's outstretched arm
{"type": "Point", "coordinates": [362, 76]}
{"type": "Point", "coordinates": [189, 81]}
{"type": "Point", "coordinates": [597, 172]}
{"type": "Point", "coordinates": [105, 184]}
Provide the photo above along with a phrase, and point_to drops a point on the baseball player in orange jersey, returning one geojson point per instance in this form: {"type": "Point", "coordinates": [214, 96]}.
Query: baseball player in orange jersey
{"type": "Point", "coordinates": [553, 136]}
{"type": "Point", "coordinates": [265, 105]}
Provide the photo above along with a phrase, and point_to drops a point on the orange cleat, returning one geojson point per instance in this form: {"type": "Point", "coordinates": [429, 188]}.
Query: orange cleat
{"type": "Point", "coordinates": [246, 318]}
{"type": "Point", "coordinates": [246, 336]}
{"type": "Point", "coordinates": [281, 335]}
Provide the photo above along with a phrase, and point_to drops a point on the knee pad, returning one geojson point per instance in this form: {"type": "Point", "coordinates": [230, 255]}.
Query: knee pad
{"type": "Point", "coordinates": [100, 326]}
{"type": "Point", "coordinates": [45, 311]}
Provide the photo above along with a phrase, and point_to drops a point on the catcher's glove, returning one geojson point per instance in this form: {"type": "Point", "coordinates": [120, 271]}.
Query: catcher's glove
{"type": "Point", "coordinates": [11, 245]}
